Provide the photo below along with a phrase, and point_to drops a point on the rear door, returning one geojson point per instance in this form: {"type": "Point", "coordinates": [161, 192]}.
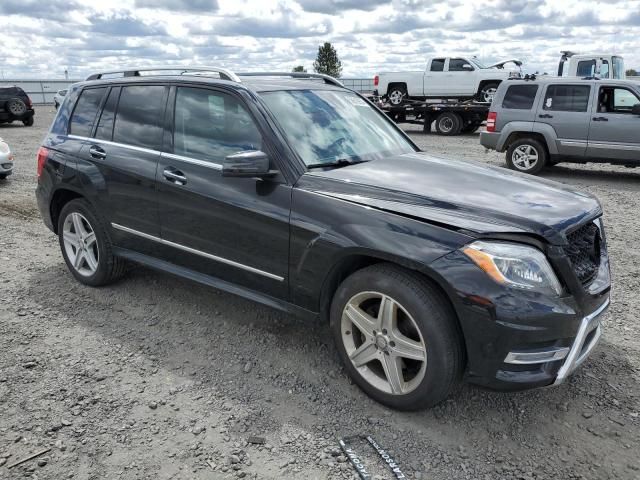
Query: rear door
{"type": "Point", "coordinates": [565, 107]}
{"type": "Point", "coordinates": [235, 229]}
{"type": "Point", "coordinates": [120, 161]}
{"type": "Point", "coordinates": [434, 78]}
{"type": "Point", "coordinates": [615, 131]}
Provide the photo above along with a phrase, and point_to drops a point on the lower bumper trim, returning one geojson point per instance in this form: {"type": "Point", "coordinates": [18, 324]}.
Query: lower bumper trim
{"type": "Point", "coordinates": [536, 356]}
{"type": "Point", "coordinates": [587, 338]}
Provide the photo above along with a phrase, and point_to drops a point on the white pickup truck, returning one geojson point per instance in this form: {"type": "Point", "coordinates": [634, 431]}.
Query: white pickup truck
{"type": "Point", "coordinates": [604, 65]}
{"type": "Point", "coordinates": [446, 77]}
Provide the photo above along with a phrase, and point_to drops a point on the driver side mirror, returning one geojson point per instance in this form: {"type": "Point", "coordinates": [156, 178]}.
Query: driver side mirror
{"type": "Point", "coordinates": [635, 110]}
{"type": "Point", "coordinates": [249, 163]}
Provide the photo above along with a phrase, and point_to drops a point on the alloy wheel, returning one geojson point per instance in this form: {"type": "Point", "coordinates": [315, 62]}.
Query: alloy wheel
{"type": "Point", "coordinates": [384, 343]}
{"type": "Point", "coordinates": [80, 244]}
{"type": "Point", "coordinates": [525, 157]}
{"type": "Point", "coordinates": [395, 97]}
{"type": "Point", "coordinates": [488, 94]}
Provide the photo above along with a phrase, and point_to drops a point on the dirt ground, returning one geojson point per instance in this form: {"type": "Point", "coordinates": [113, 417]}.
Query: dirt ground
{"type": "Point", "coordinates": [159, 378]}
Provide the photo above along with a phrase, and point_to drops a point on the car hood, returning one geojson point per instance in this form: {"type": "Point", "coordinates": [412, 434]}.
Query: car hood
{"type": "Point", "coordinates": [518, 63]}
{"type": "Point", "coordinates": [462, 195]}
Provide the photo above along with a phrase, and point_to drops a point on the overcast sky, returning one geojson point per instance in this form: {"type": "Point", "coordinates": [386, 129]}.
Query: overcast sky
{"type": "Point", "coordinates": [42, 38]}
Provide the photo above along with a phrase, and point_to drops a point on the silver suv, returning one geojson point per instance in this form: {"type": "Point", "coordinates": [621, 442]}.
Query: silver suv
{"type": "Point", "coordinates": [544, 121]}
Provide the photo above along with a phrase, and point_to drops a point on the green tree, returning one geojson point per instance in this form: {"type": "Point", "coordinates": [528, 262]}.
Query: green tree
{"type": "Point", "coordinates": [327, 61]}
{"type": "Point", "coordinates": [299, 68]}
{"type": "Point", "coordinates": [632, 73]}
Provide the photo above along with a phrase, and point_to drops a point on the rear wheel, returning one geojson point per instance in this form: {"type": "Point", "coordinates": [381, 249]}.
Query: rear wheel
{"type": "Point", "coordinates": [471, 127]}
{"type": "Point", "coordinates": [448, 123]}
{"type": "Point", "coordinates": [28, 122]}
{"type": "Point", "coordinates": [397, 337]}
{"type": "Point", "coordinates": [396, 94]}
{"type": "Point", "coordinates": [86, 246]}
{"type": "Point", "coordinates": [3, 176]}
{"type": "Point", "coordinates": [16, 107]}
{"type": "Point", "coordinates": [527, 155]}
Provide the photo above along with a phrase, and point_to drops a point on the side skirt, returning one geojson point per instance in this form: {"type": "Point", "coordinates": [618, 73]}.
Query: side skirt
{"type": "Point", "coordinates": [214, 282]}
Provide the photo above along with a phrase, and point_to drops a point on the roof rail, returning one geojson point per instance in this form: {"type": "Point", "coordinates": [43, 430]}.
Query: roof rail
{"type": "Point", "coordinates": [135, 72]}
{"type": "Point", "coordinates": [328, 79]}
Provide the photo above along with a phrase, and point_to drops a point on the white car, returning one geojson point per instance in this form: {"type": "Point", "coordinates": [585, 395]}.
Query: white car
{"type": "Point", "coordinates": [6, 160]}
{"type": "Point", "coordinates": [446, 77]}
{"type": "Point", "coordinates": [58, 98]}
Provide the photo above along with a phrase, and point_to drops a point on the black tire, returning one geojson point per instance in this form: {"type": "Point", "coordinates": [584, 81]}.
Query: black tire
{"type": "Point", "coordinates": [486, 92]}
{"type": "Point", "coordinates": [397, 94]}
{"type": "Point", "coordinates": [55, 105]}
{"type": "Point", "coordinates": [433, 317]}
{"type": "Point", "coordinates": [16, 107]}
{"type": "Point", "coordinates": [471, 127]}
{"type": "Point", "coordinates": [110, 267]}
{"type": "Point", "coordinates": [3, 176]}
{"type": "Point", "coordinates": [448, 123]}
{"type": "Point", "coordinates": [519, 148]}
{"type": "Point", "coordinates": [28, 122]}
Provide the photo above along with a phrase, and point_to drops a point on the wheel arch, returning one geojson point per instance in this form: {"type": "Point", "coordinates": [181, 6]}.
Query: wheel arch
{"type": "Point", "coordinates": [397, 84]}
{"type": "Point", "coordinates": [59, 199]}
{"type": "Point", "coordinates": [483, 83]}
{"type": "Point", "coordinates": [514, 136]}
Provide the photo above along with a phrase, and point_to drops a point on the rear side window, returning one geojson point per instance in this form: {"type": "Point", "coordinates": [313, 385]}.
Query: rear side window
{"type": "Point", "coordinates": [140, 116]}
{"type": "Point", "coordinates": [84, 115]}
{"type": "Point", "coordinates": [437, 65]}
{"type": "Point", "coordinates": [210, 125]}
{"type": "Point", "coordinates": [567, 98]}
{"type": "Point", "coordinates": [105, 124]}
{"type": "Point", "coordinates": [520, 97]}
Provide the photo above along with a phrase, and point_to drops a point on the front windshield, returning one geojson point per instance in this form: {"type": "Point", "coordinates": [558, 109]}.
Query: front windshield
{"type": "Point", "coordinates": [328, 126]}
{"type": "Point", "coordinates": [478, 63]}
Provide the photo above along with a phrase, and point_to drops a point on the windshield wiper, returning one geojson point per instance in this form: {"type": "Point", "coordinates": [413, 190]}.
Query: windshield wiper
{"type": "Point", "coordinates": [340, 162]}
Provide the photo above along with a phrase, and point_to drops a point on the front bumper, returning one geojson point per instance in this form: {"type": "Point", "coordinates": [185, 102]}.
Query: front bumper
{"type": "Point", "coordinates": [517, 340]}
{"type": "Point", "coordinates": [6, 167]}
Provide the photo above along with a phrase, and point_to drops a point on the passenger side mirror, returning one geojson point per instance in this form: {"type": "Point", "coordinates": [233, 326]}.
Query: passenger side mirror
{"type": "Point", "coordinates": [636, 109]}
{"type": "Point", "coordinates": [249, 163]}
{"type": "Point", "coordinates": [466, 67]}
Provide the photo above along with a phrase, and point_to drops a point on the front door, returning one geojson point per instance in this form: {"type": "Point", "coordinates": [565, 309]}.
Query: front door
{"type": "Point", "coordinates": [615, 131]}
{"type": "Point", "coordinates": [461, 77]}
{"type": "Point", "coordinates": [565, 108]}
{"type": "Point", "coordinates": [235, 229]}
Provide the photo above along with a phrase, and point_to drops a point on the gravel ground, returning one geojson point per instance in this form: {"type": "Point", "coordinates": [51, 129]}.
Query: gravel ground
{"type": "Point", "coordinates": [159, 378]}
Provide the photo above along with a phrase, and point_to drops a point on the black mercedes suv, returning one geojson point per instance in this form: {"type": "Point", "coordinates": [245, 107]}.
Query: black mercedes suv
{"type": "Point", "coordinates": [293, 191]}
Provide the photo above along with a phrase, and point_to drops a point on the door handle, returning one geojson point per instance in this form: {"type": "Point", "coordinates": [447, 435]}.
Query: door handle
{"type": "Point", "coordinates": [97, 152]}
{"type": "Point", "coordinates": [600, 119]}
{"type": "Point", "coordinates": [546, 115]}
{"type": "Point", "coordinates": [174, 176]}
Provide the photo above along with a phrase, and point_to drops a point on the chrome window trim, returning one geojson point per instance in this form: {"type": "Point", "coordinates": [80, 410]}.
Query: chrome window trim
{"type": "Point", "coordinates": [194, 161]}
{"type": "Point", "coordinates": [198, 252]}
{"type": "Point", "coordinates": [115, 144]}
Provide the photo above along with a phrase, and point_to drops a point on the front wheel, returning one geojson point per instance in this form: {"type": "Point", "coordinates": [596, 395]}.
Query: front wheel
{"type": "Point", "coordinates": [28, 122]}
{"type": "Point", "coordinates": [487, 92]}
{"type": "Point", "coordinates": [397, 337]}
{"type": "Point", "coordinates": [527, 155]}
{"type": "Point", "coordinates": [86, 246]}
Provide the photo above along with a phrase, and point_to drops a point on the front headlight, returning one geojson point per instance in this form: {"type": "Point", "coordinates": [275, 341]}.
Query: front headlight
{"type": "Point", "coordinates": [4, 148]}
{"type": "Point", "coordinates": [515, 265]}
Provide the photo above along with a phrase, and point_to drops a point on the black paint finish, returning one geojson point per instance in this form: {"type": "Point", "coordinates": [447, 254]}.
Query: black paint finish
{"type": "Point", "coordinates": [288, 240]}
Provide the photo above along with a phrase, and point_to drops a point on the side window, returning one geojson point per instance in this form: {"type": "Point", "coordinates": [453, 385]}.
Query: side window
{"type": "Point", "coordinates": [457, 65]}
{"type": "Point", "coordinates": [210, 125]}
{"type": "Point", "coordinates": [85, 112]}
{"type": "Point", "coordinates": [437, 65]}
{"type": "Point", "coordinates": [616, 100]}
{"type": "Point", "coordinates": [567, 98]}
{"type": "Point", "coordinates": [520, 97]}
{"type": "Point", "coordinates": [105, 124]}
{"type": "Point", "coordinates": [140, 115]}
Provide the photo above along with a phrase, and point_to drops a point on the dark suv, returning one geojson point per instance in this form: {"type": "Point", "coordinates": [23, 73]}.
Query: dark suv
{"type": "Point", "coordinates": [293, 191]}
{"type": "Point", "coordinates": [15, 105]}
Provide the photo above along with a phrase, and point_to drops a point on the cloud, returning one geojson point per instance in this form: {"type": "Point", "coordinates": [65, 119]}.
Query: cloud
{"type": "Point", "coordinates": [124, 25]}
{"type": "Point", "coordinates": [188, 6]}
{"type": "Point", "coordinates": [51, 9]}
{"type": "Point", "coordinates": [335, 6]}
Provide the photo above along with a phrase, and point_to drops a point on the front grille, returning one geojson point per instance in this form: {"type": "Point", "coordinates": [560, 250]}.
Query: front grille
{"type": "Point", "coordinates": [584, 252]}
